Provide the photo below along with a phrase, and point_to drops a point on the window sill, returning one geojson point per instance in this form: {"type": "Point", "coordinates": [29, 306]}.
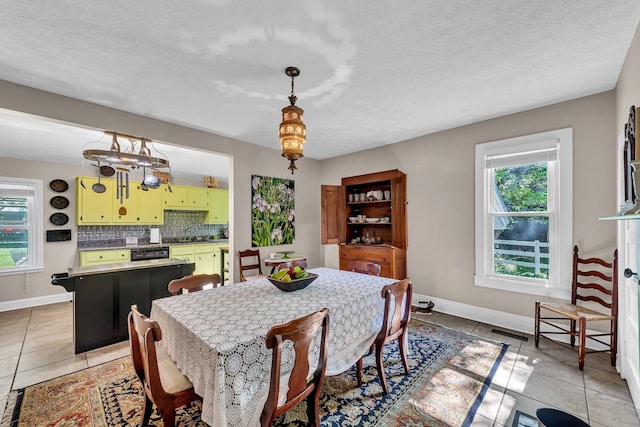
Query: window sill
{"type": "Point", "coordinates": [20, 270]}
{"type": "Point", "coordinates": [522, 287]}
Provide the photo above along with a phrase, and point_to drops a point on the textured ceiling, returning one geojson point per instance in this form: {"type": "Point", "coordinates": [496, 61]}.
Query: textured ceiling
{"type": "Point", "coordinates": [372, 72]}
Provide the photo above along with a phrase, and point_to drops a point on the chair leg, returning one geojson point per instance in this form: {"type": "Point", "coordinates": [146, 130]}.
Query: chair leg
{"type": "Point", "coordinates": [146, 411]}
{"type": "Point", "coordinates": [380, 365]}
{"type": "Point", "coordinates": [169, 417]}
{"type": "Point", "coordinates": [402, 343]}
{"type": "Point", "coordinates": [614, 341]}
{"type": "Point", "coordinates": [313, 408]}
{"type": "Point", "coordinates": [582, 342]}
{"type": "Point", "coordinates": [359, 371]}
{"type": "Point", "coordinates": [573, 333]}
{"type": "Point", "coordinates": [536, 332]}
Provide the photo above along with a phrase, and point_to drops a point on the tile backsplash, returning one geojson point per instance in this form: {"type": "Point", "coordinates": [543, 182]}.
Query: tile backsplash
{"type": "Point", "coordinates": [177, 225]}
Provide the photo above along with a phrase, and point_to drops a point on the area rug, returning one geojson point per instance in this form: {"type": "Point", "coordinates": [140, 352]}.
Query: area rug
{"type": "Point", "coordinates": [450, 373]}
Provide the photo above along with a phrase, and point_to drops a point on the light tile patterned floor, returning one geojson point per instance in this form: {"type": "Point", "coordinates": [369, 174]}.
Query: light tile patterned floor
{"type": "Point", "coordinates": [36, 344]}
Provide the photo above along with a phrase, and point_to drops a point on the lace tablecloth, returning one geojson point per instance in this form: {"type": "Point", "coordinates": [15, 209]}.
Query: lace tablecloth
{"type": "Point", "coordinates": [217, 336]}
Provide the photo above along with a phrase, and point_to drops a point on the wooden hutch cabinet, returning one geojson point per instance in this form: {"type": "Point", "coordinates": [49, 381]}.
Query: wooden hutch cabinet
{"type": "Point", "coordinates": [366, 216]}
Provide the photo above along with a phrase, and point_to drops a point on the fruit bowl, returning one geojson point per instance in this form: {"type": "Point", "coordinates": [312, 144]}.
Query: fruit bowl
{"type": "Point", "coordinates": [295, 284]}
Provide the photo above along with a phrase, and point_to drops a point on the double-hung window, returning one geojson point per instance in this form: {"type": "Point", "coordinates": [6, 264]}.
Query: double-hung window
{"type": "Point", "coordinates": [20, 225]}
{"type": "Point", "coordinates": [524, 213]}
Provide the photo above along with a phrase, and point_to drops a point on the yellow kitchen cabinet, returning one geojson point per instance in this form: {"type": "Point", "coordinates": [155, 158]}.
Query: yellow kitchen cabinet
{"type": "Point", "coordinates": [198, 198]}
{"type": "Point", "coordinates": [204, 258]}
{"type": "Point", "coordinates": [185, 198]}
{"type": "Point", "coordinates": [107, 256]}
{"type": "Point", "coordinates": [184, 252]}
{"type": "Point", "coordinates": [218, 207]}
{"type": "Point", "coordinates": [176, 198]}
{"type": "Point", "coordinates": [216, 257]}
{"type": "Point", "coordinates": [127, 211]}
{"type": "Point", "coordinates": [92, 207]}
{"type": "Point", "coordinates": [150, 206]}
{"type": "Point", "coordinates": [142, 207]}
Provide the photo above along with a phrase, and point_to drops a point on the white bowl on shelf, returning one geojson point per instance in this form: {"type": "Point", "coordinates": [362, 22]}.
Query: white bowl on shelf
{"type": "Point", "coordinates": [372, 220]}
{"type": "Point", "coordinates": [353, 219]}
{"type": "Point", "coordinates": [385, 219]}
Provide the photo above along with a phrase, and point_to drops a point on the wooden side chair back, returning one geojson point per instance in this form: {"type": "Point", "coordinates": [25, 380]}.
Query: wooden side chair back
{"type": "Point", "coordinates": [394, 326]}
{"type": "Point", "coordinates": [163, 384]}
{"type": "Point", "coordinates": [301, 384]}
{"type": "Point", "coordinates": [364, 267]}
{"type": "Point", "coordinates": [301, 262]}
{"type": "Point", "coordinates": [249, 260]}
{"type": "Point", "coordinates": [595, 281]}
{"type": "Point", "coordinates": [193, 283]}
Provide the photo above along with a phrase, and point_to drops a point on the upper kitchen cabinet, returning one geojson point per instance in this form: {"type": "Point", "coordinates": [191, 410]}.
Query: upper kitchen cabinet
{"type": "Point", "coordinates": [93, 207]}
{"type": "Point", "coordinates": [366, 216]}
{"type": "Point", "coordinates": [218, 207]}
{"type": "Point", "coordinates": [137, 206]}
{"type": "Point", "coordinates": [180, 197]}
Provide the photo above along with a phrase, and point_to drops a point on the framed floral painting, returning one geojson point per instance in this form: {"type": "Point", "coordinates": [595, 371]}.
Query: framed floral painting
{"type": "Point", "coordinates": [272, 211]}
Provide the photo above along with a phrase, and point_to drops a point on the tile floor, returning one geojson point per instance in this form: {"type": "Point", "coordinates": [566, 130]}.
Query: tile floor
{"type": "Point", "coordinates": [36, 344]}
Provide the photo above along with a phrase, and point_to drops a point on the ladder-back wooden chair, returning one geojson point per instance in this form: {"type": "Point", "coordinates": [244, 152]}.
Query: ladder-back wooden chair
{"type": "Point", "coordinates": [162, 382]}
{"type": "Point", "coordinates": [249, 260]}
{"type": "Point", "coordinates": [395, 324]}
{"type": "Point", "coordinates": [595, 281]}
{"type": "Point", "coordinates": [364, 267]}
{"type": "Point", "coordinates": [193, 283]}
{"type": "Point", "coordinates": [302, 383]}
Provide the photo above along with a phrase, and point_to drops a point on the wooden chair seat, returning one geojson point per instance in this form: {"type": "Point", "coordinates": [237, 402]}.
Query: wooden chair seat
{"type": "Point", "coordinates": [171, 378]}
{"type": "Point", "coordinates": [575, 312]}
{"type": "Point", "coordinates": [595, 281]}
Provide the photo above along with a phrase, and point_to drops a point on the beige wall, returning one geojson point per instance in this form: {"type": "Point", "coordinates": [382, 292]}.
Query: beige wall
{"type": "Point", "coordinates": [440, 176]}
{"type": "Point", "coordinates": [628, 87]}
{"type": "Point", "coordinates": [247, 160]}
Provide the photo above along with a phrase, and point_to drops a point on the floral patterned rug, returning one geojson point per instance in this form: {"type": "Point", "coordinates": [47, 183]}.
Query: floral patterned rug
{"type": "Point", "coordinates": [450, 373]}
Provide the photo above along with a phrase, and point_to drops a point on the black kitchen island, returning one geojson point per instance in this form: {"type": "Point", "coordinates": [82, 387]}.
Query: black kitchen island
{"type": "Point", "coordinates": [103, 296]}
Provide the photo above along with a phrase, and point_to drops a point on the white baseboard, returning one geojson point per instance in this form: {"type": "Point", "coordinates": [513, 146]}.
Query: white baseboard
{"type": "Point", "coordinates": [36, 301]}
{"type": "Point", "coordinates": [510, 321]}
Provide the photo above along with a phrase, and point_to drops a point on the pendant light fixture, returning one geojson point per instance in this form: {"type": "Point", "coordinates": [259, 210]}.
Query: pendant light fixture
{"type": "Point", "coordinates": [293, 132]}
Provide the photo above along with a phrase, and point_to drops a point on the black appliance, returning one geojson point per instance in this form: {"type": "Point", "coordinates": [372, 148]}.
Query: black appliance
{"type": "Point", "coordinates": [151, 252]}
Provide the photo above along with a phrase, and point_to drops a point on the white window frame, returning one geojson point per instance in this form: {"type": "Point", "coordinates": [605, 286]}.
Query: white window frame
{"type": "Point", "coordinates": [560, 208]}
{"type": "Point", "coordinates": [35, 227]}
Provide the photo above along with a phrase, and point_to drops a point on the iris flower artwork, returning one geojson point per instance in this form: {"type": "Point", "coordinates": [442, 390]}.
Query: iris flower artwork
{"type": "Point", "coordinates": [272, 211]}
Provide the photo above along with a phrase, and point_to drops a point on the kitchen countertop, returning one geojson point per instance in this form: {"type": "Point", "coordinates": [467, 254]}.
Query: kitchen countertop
{"type": "Point", "coordinates": [154, 245]}
{"type": "Point", "coordinates": [135, 265]}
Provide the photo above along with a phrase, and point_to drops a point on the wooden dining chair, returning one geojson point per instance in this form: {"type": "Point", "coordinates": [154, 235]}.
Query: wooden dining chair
{"type": "Point", "coordinates": [365, 267]}
{"type": "Point", "coordinates": [302, 385]}
{"type": "Point", "coordinates": [395, 324]}
{"type": "Point", "coordinates": [249, 260]}
{"type": "Point", "coordinates": [595, 280]}
{"type": "Point", "coordinates": [193, 283]}
{"type": "Point", "coordinates": [163, 383]}
{"type": "Point", "coordinates": [300, 262]}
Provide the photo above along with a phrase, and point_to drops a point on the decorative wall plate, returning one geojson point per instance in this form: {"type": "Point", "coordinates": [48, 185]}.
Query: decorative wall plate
{"type": "Point", "coordinates": [59, 202]}
{"type": "Point", "coordinates": [59, 218]}
{"type": "Point", "coordinates": [59, 185]}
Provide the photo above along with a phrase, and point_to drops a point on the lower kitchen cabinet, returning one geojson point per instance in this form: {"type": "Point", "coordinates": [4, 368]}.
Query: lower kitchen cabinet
{"type": "Point", "coordinates": [107, 256]}
{"type": "Point", "coordinates": [102, 301]}
{"type": "Point", "coordinates": [205, 258]}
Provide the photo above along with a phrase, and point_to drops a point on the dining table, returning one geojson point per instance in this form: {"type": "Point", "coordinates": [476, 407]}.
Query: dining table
{"type": "Point", "coordinates": [217, 336]}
